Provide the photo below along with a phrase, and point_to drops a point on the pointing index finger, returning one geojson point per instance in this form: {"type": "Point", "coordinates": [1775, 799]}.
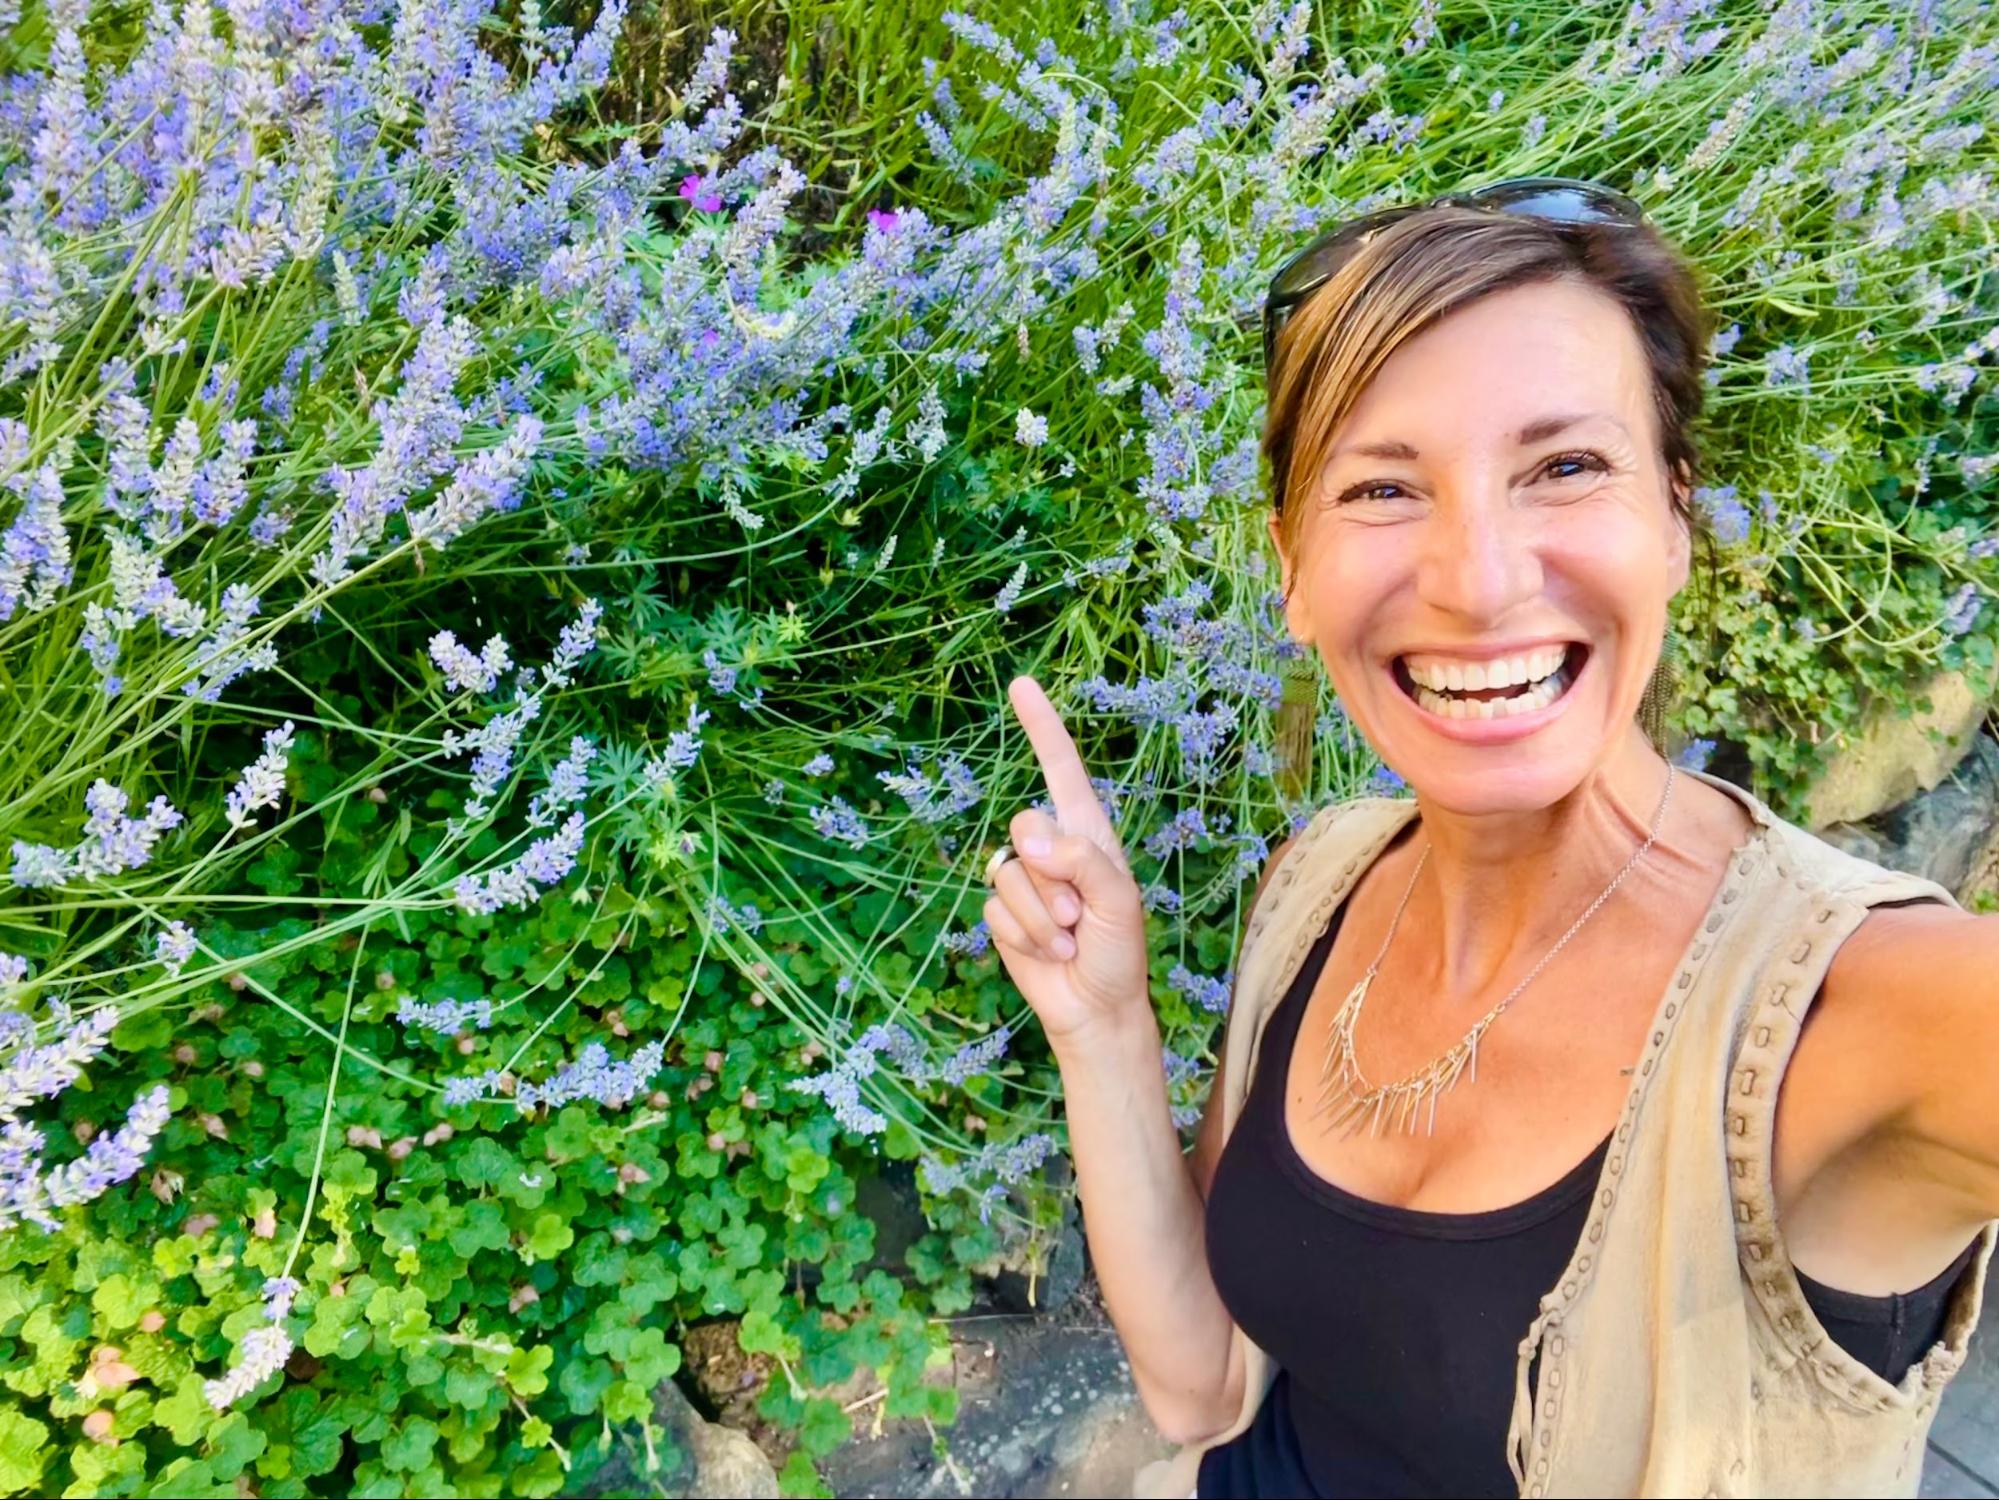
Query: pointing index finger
{"type": "Point", "coordinates": [1076, 806]}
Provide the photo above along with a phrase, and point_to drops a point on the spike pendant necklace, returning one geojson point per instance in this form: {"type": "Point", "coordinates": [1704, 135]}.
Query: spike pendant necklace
{"type": "Point", "coordinates": [1344, 1092]}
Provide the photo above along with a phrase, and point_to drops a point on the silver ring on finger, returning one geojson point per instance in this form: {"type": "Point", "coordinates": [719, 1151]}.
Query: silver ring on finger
{"type": "Point", "coordinates": [1000, 856]}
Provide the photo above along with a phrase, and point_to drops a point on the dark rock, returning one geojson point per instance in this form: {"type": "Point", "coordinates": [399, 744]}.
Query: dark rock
{"type": "Point", "coordinates": [1048, 1287]}
{"type": "Point", "coordinates": [1939, 833]}
{"type": "Point", "coordinates": [1046, 1407]}
{"type": "Point", "coordinates": [708, 1461]}
{"type": "Point", "coordinates": [889, 1198]}
{"type": "Point", "coordinates": [625, 1472]}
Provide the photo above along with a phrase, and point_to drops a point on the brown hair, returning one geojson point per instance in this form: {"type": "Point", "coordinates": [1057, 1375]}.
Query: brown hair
{"type": "Point", "coordinates": [1422, 267]}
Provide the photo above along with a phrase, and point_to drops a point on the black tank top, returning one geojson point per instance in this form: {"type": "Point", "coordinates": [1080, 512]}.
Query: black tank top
{"type": "Point", "coordinates": [1395, 1331]}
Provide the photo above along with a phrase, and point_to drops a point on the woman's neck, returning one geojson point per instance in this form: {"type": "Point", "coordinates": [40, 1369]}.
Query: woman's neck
{"type": "Point", "coordinates": [1498, 890]}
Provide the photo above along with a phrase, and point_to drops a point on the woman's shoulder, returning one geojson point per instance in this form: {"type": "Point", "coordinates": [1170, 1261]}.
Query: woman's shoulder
{"type": "Point", "coordinates": [1827, 872]}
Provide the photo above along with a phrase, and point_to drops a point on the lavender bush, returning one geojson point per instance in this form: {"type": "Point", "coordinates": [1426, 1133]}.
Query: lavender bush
{"type": "Point", "coordinates": [500, 646]}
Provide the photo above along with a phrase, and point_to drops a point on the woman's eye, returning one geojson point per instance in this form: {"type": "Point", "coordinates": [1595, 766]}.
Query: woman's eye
{"type": "Point", "coordinates": [1366, 491]}
{"type": "Point", "coordinates": [1585, 460]}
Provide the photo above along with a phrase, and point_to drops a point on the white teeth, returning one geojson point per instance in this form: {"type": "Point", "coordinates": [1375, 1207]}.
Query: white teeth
{"type": "Point", "coordinates": [1537, 697]}
{"type": "Point", "coordinates": [1445, 674]}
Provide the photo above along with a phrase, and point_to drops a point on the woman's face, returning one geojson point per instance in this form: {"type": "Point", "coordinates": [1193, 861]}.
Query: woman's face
{"type": "Point", "coordinates": [1511, 524]}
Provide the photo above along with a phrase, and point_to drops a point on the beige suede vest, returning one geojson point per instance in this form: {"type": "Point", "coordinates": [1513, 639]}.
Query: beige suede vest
{"type": "Point", "coordinates": [1677, 1353]}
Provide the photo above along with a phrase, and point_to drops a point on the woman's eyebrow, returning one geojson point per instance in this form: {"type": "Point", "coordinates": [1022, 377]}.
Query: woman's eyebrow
{"type": "Point", "coordinates": [1535, 431]}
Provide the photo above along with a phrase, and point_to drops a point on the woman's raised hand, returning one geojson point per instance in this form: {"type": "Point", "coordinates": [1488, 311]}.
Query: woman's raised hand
{"type": "Point", "coordinates": [1069, 923]}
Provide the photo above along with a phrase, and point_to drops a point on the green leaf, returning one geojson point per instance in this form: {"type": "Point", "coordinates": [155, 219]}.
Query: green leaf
{"type": "Point", "coordinates": [824, 1427]}
{"type": "Point", "coordinates": [122, 1301]}
{"type": "Point", "coordinates": [527, 1370]}
{"type": "Point", "coordinates": [627, 1401]}
{"type": "Point", "coordinates": [550, 1236]}
{"type": "Point", "coordinates": [584, 1381]}
{"type": "Point", "coordinates": [799, 1477]}
{"type": "Point", "coordinates": [408, 1445]}
{"type": "Point", "coordinates": [483, 1226]}
{"type": "Point", "coordinates": [233, 1443]}
{"type": "Point", "coordinates": [484, 1164]}
{"type": "Point", "coordinates": [649, 1358]}
{"type": "Point", "coordinates": [276, 870]}
{"type": "Point", "coordinates": [186, 1413]}
{"type": "Point", "coordinates": [23, 1451]}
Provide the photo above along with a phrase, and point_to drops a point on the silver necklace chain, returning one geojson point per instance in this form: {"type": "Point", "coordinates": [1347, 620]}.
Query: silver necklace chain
{"type": "Point", "coordinates": [1346, 1091]}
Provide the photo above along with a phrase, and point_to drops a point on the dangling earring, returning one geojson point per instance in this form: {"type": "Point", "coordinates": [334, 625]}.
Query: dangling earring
{"type": "Point", "coordinates": [1297, 716]}
{"type": "Point", "coordinates": [1656, 703]}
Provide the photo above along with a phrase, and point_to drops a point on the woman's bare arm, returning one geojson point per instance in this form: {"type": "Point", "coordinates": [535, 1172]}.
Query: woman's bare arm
{"type": "Point", "coordinates": [1068, 921]}
{"type": "Point", "coordinates": [1887, 1151]}
{"type": "Point", "coordinates": [1143, 1206]}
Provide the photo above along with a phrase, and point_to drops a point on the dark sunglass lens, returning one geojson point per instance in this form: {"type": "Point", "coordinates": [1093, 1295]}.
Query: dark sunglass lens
{"type": "Point", "coordinates": [1564, 202]}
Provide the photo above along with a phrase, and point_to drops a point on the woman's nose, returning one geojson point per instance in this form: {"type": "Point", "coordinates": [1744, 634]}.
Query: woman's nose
{"type": "Point", "coordinates": [1478, 561]}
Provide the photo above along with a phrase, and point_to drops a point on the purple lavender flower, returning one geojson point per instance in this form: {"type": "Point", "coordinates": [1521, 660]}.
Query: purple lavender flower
{"type": "Point", "coordinates": [1209, 994]}
{"type": "Point", "coordinates": [463, 671]}
{"type": "Point", "coordinates": [568, 780]}
{"type": "Point", "coordinates": [1695, 755]}
{"type": "Point", "coordinates": [721, 679]}
{"type": "Point", "coordinates": [597, 1076]}
{"type": "Point", "coordinates": [725, 916]}
{"type": "Point", "coordinates": [1179, 832]}
{"type": "Point", "coordinates": [1008, 1162]}
{"type": "Point", "coordinates": [972, 943]}
{"type": "Point", "coordinates": [928, 802]}
{"type": "Point", "coordinates": [33, 1072]}
{"type": "Point", "coordinates": [521, 883]}
{"type": "Point", "coordinates": [1962, 610]}
{"type": "Point", "coordinates": [683, 746]}
{"type": "Point", "coordinates": [34, 551]}
{"type": "Point", "coordinates": [112, 843]}
{"type": "Point", "coordinates": [1725, 513]}
{"type": "Point", "coordinates": [264, 1351]}
{"type": "Point", "coordinates": [1786, 366]}
{"type": "Point", "coordinates": [279, 1291]}
{"type": "Point", "coordinates": [173, 946]}
{"type": "Point", "coordinates": [444, 1017]}
{"type": "Point", "coordinates": [490, 481]}
{"type": "Point", "coordinates": [838, 821]}
{"type": "Point", "coordinates": [263, 780]}
{"type": "Point", "coordinates": [575, 643]}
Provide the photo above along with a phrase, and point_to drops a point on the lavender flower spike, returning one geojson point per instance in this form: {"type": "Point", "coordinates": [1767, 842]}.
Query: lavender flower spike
{"type": "Point", "coordinates": [265, 1350]}
{"type": "Point", "coordinates": [263, 780]}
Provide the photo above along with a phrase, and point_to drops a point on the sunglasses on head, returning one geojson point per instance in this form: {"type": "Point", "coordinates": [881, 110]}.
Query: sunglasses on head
{"type": "Point", "coordinates": [1560, 200]}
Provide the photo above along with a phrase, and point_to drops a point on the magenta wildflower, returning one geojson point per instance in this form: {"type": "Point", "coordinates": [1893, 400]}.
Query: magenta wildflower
{"type": "Point", "coordinates": [695, 188]}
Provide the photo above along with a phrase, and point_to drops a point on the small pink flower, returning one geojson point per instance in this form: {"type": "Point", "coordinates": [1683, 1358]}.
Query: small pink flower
{"type": "Point", "coordinates": [883, 219]}
{"type": "Point", "coordinates": [695, 189]}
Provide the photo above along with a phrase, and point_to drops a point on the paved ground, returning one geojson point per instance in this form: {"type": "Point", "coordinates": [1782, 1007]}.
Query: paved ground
{"type": "Point", "coordinates": [1046, 1410]}
{"type": "Point", "coordinates": [1964, 1444]}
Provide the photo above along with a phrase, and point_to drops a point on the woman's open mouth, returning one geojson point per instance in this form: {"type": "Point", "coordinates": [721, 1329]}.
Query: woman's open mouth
{"type": "Point", "coordinates": [1499, 688]}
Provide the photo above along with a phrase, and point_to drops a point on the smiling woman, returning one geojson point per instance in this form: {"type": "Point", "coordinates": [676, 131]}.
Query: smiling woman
{"type": "Point", "coordinates": [1699, 1141]}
